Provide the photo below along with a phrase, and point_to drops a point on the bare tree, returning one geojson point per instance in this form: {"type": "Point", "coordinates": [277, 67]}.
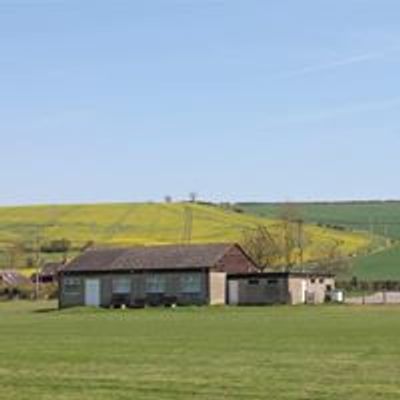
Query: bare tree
{"type": "Point", "coordinates": [332, 259]}
{"type": "Point", "coordinates": [261, 247]}
{"type": "Point", "coordinates": [293, 234]}
{"type": "Point", "coordinates": [15, 255]}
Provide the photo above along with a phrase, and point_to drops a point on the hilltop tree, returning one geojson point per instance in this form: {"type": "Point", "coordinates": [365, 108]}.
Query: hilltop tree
{"type": "Point", "coordinates": [15, 253]}
{"type": "Point", "coordinates": [193, 197]}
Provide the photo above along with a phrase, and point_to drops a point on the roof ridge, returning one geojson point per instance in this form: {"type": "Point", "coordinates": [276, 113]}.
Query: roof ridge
{"type": "Point", "coordinates": [120, 256]}
{"type": "Point", "coordinates": [225, 250]}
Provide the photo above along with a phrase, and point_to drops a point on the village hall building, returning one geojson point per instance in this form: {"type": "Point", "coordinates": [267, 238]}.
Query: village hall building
{"type": "Point", "coordinates": [193, 274]}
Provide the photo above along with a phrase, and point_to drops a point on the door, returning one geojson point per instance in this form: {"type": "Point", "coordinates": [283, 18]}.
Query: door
{"type": "Point", "coordinates": [303, 291]}
{"type": "Point", "coordinates": [233, 293]}
{"type": "Point", "coordinates": [92, 292]}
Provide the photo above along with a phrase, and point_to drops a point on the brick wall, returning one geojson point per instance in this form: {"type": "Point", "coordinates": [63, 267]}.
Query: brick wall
{"type": "Point", "coordinates": [235, 261]}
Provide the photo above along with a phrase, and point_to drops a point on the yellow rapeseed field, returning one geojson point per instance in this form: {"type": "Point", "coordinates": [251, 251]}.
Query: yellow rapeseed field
{"type": "Point", "coordinates": [154, 223]}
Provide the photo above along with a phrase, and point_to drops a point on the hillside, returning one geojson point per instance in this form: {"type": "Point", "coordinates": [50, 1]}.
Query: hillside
{"type": "Point", "coordinates": [374, 217]}
{"type": "Point", "coordinates": [383, 218]}
{"type": "Point", "coordinates": [144, 224]}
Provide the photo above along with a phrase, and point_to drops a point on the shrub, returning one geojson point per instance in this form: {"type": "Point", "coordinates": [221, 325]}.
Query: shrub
{"type": "Point", "coordinates": [56, 246]}
{"type": "Point", "coordinates": [48, 291]}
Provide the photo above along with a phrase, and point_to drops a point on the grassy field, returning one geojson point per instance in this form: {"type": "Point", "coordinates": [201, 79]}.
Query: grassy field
{"type": "Point", "coordinates": [384, 265]}
{"type": "Point", "coordinates": [280, 353]}
{"type": "Point", "coordinates": [382, 217]}
{"type": "Point", "coordinates": [379, 218]}
{"type": "Point", "coordinates": [130, 224]}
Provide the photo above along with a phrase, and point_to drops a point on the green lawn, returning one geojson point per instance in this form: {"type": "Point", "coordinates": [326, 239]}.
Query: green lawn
{"type": "Point", "coordinates": [199, 353]}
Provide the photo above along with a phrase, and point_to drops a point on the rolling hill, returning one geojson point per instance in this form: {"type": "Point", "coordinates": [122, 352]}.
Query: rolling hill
{"type": "Point", "coordinates": [375, 217]}
{"type": "Point", "coordinates": [150, 223]}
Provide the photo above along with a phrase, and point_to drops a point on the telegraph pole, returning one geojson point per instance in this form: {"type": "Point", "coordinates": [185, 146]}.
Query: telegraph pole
{"type": "Point", "coordinates": [187, 225]}
{"type": "Point", "coordinates": [37, 262]}
{"type": "Point", "coordinates": [371, 227]}
{"type": "Point", "coordinates": [386, 234]}
{"type": "Point", "coordinates": [300, 226]}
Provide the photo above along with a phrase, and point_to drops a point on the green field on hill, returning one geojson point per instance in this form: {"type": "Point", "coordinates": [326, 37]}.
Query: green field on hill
{"type": "Point", "coordinates": [145, 224]}
{"type": "Point", "coordinates": [382, 218]}
{"type": "Point", "coordinates": [378, 218]}
{"type": "Point", "coordinates": [280, 353]}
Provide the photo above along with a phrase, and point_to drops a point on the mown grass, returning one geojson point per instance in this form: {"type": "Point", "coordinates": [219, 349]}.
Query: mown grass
{"type": "Point", "coordinates": [132, 224]}
{"type": "Point", "coordinates": [276, 353]}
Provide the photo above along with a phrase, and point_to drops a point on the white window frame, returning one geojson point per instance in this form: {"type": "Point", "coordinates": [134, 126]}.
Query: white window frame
{"type": "Point", "coordinates": [121, 285]}
{"type": "Point", "coordinates": [155, 284]}
{"type": "Point", "coordinates": [190, 283]}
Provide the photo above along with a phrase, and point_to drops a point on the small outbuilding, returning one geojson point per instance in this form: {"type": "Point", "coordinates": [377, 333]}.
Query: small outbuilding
{"type": "Point", "coordinates": [12, 283]}
{"type": "Point", "coordinates": [153, 275]}
{"type": "Point", "coordinates": [12, 278]}
{"type": "Point", "coordinates": [280, 288]}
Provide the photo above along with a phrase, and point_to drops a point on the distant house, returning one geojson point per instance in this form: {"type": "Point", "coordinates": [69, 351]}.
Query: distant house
{"type": "Point", "coordinates": [154, 275]}
{"type": "Point", "coordinates": [13, 279]}
{"type": "Point", "coordinates": [13, 283]}
{"type": "Point", "coordinates": [48, 273]}
{"type": "Point", "coordinates": [280, 288]}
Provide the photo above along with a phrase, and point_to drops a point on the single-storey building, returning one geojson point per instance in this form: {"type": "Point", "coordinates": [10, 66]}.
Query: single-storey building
{"type": "Point", "coordinates": [12, 278]}
{"type": "Point", "coordinates": [280, 288]}
{"type": "Point", "coordinates": [153, 275]}
{"type": "Point", "coordinates": [197, 274]}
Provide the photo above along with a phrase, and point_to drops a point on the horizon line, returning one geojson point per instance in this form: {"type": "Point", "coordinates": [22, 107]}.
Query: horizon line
{"type": "Point", "coordinates": [204, 201]}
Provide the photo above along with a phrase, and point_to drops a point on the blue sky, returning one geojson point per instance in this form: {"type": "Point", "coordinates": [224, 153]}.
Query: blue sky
{"type": "Point", "coordinates": [236, 100]}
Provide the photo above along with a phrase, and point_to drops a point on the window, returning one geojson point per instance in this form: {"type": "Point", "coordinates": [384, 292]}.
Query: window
{"type": "Point", "coordinates": [321, 280]}
{"type": "Point", "coordinates": [312, 280]}
{"type": "Point", "coordinates": [254, 282]}
{"type": "Point", "coordinates": [155, 284]}
{"type": "Point", "coordinates": [71, 285]}
{"type": "Point", "coordinates": [191, 283]}
{"type": "Point", "coordinates": [121, 285]}
{"type": "Point", "coordinates": [272, 282]}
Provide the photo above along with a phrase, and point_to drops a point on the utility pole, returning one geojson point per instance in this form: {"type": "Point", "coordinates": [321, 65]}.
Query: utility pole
{"type": "Point", "coordinates": [386, 234]}
{"type": "Point", "coordinates": [187, 225]}
{"type": "Point", "coordinates": [300, 244]}
{"type": "Point", "coordinates": [286, 238]}
{"type": "Point", "coordinates": [37, 262]}
{"type": "Point", "coordinates": [371, 227]}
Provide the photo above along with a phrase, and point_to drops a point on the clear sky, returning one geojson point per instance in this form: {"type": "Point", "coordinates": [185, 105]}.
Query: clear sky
{"type": "Point", "coordinates": [236, 100]}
